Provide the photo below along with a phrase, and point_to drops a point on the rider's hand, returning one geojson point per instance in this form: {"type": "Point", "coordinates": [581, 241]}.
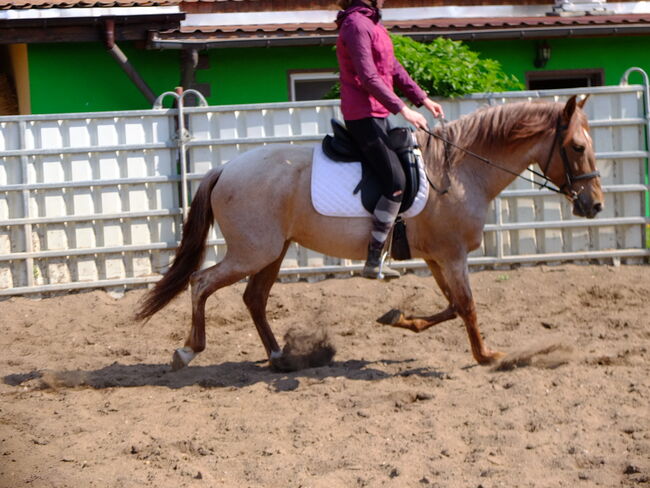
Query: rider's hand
{"type": "Point", "coordinates": [434, 107]}
{"type": "Point", "coordinates": [415, 118]}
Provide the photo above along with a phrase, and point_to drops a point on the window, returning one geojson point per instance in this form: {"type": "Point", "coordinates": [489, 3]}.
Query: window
{"type": "Point", "coordinates": [549, 80]}
{"type": "Point", "coordinates": [310, 85]}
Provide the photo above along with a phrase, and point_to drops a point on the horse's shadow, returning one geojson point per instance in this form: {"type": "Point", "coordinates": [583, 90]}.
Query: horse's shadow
{"type": "Point", "coordinates": [225, 375]}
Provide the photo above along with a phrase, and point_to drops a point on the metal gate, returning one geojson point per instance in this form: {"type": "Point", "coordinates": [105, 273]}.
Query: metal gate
{"type": "Point", "coordinates": [97, 200]}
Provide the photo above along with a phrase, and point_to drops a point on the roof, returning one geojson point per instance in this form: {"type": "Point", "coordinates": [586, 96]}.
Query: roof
{"type": "Point", "coordinates": [447, 23]}
{"type": "Point", "coordinates": [305, 33]}
{"type": "Point", "coordinates": [33, 21]}
{"type": "Point", "coordinates": [230, 23]}
{"type": "Point", "coordinates": [46, 4]}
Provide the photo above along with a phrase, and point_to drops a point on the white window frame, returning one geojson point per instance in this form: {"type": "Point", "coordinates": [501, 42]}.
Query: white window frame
{"type": "Point", "coordinates": [314, 75]}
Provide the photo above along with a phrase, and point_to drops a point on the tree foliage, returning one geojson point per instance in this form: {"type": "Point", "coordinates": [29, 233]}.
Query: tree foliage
{"type": "Point", "coordinates": [446, 68]}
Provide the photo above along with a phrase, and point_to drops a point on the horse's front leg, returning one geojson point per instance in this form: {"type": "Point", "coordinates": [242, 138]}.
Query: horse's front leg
{"type": "Point", "coordinates": [396, 318]}
{"type": "Point", "coordinates": [456, 276]}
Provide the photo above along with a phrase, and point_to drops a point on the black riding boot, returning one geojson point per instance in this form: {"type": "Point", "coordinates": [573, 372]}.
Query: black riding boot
{"type": "Point", "coordinates": [383, 219]}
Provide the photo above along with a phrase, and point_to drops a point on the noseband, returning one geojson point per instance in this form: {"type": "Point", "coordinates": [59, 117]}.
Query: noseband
{"type": "Point", "coordinates": [567, 187]}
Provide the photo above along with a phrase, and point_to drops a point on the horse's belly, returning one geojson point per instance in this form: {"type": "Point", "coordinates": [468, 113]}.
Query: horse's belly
{"type": "Point", "coordinates": [334, 236]}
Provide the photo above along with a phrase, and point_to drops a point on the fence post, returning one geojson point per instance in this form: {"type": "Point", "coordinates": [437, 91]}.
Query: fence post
{"type": "Point", "coordinates": [646, 109]}
{"type": "Point", "coordinates": [182, 136]}
{"type": "Point", "coordinates": [27, 227]}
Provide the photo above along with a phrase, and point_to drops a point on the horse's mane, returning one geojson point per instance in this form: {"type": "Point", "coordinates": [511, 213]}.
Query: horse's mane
{"type": "Point", "coordinates": [496, 125]}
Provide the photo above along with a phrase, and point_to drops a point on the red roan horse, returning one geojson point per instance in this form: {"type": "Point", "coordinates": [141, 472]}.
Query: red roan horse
{"type": "Point", "coordinates": [261, 201]}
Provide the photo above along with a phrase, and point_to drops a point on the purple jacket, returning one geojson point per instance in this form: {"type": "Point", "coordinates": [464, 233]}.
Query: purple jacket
{"type": "Point", "coordinates": [368, 67]}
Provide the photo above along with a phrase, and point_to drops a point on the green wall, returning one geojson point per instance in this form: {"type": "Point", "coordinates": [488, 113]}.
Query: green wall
{"type": "Point", "coordinates": [614, 54]}
{"type": "Point", "coordinates": [260, 75]}
{"type": "Point", "coordinates": [85, 78]}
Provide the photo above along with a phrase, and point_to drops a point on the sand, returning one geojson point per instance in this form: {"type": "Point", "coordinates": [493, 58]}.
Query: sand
{"type": "Point", "coordinates": [88, 398]}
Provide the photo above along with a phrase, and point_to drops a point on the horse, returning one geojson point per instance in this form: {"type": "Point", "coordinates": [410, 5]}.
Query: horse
{"type": "Point", "coordinates": [261, 202]}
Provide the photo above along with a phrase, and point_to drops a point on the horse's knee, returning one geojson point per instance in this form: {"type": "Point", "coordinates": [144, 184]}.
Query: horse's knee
{"type": "Point", "coordinates": [254, 295]}
{"type": "Point", "coordinates": [249, 297]}
{"type": "Point", "coordinates": [463, 308]}
{"type": "Point", "coordinates": [195, 283]}
{"type": "Point", "coordinates": [200, 287]}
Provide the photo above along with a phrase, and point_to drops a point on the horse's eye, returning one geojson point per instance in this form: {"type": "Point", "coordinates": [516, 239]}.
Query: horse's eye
{"type": "Point", "coordinates": [578, 148]}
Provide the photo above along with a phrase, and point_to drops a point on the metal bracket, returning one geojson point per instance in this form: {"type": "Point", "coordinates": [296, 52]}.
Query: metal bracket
{"type": "Point", "coordinates": [182, 136]}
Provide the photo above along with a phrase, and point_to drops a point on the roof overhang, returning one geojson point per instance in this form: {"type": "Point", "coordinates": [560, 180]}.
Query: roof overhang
{"type": "Point", "coordinates": [207, 36]}
{"type": "Point", "coordinates": [532, 33]}
{"type": "Point", "coordinates": [85, 24]}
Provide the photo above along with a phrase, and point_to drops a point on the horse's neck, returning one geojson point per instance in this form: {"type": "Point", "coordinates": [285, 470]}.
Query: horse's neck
{"type": "Point", "coordinates": [513, 159]}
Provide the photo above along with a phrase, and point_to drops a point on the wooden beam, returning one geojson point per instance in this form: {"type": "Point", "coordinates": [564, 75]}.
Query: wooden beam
{"type": "Point", "coordinates": [83, 29]}
{"type": "Point", "coordinates": [20, 72]}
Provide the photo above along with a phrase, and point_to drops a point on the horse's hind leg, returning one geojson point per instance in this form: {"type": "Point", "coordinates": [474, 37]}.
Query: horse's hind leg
{"type": "Point", "coordinates": [256, 297]}
{"type": "Point", "coordinates": [203, 284]}
{"type": "Point", "coordinates": [417, 324]}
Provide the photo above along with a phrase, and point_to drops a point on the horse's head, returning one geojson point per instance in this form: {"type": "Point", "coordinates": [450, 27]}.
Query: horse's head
{"type": "Point", "coordinates": [573, 167]}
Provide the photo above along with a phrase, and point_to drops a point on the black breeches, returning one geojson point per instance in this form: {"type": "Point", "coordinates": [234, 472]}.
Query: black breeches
{"type": "Point", "coordinates": [372, 136]}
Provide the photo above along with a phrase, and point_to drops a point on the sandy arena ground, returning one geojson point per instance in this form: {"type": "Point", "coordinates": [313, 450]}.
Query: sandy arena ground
{"type": "Point", "coordinates": [88, 399]}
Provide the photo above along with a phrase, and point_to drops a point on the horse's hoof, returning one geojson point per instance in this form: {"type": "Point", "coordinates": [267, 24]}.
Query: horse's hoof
{"type": "Point", "coordinates": [182, 358]}
{"type": "Point", "coordinates": [281, 364]}
{"type": "Point", "coordinates": [391, 317]}
{"type": "Point", "coordinates": [491, 358]}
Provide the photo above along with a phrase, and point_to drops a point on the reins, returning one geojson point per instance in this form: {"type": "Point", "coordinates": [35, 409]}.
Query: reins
{"type": "Point", "coordinates": [563, 190]}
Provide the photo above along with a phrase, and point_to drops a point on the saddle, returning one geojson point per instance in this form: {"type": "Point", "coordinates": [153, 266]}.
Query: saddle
{"type": "Point", "coordinates": [341, 148]}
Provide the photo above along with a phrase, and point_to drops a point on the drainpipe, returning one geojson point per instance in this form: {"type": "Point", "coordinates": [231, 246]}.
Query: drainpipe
{"type": "Point", "coordinates": [123, 61]}
{"type": "Point", "coordinates": [189, 63]}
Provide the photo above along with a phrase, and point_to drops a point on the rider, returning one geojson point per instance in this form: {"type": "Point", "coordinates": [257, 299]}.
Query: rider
{"type": "Point", "coordinates": [368, 72]}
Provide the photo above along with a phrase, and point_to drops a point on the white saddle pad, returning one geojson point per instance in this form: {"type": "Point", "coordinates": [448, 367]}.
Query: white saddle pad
{"type": "Point", "coordinates": [333, 185]}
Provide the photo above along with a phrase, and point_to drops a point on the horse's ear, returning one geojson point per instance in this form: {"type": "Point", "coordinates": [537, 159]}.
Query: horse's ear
{"type": "Point", "coordinates": [582, 102]}
{"type": "Point", "coordinates": [570, 108]}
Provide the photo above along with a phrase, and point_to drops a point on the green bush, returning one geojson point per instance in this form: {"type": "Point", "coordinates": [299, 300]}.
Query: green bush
{"type": "Point", "coordinates": [446, 68]}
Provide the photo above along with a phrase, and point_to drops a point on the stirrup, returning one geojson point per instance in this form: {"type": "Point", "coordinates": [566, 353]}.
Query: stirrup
{"type": "Point", "coordinates": [378, 270]}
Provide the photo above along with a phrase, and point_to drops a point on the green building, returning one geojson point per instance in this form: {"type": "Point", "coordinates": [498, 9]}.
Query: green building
{"type": "Point", "coordinates": [56, 60]}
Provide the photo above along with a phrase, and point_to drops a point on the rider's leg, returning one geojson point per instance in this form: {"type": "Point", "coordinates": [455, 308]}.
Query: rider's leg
{"type": "Point", "coordinates": [372, 136]}
{"type": "Point", "coordinates": [383, 219]}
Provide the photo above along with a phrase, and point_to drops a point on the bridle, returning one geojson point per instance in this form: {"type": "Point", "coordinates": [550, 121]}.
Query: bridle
{"type": "Point", "coordinates": [566, 189]}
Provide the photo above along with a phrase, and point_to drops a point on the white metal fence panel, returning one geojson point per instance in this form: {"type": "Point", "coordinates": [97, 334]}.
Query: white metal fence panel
{"type": "Point", "coordinates": [86, 199]}
{"type": "Point", "coordinates": [89, 200]}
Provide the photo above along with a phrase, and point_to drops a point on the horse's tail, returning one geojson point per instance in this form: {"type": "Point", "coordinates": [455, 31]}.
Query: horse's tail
{"type": "Point", "coordinates": [189, 254]}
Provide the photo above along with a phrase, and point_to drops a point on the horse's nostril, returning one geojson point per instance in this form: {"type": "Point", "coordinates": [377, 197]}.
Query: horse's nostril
{"type": "Point", "coordinates": [598, 207]}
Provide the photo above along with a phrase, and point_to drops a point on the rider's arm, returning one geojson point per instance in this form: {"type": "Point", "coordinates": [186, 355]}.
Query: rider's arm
{"type": "Point", "coordinates": [407, 86]}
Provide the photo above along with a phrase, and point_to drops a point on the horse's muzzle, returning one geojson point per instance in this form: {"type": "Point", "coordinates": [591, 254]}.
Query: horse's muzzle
{"type": "Point", "coordinates": [584, 206]}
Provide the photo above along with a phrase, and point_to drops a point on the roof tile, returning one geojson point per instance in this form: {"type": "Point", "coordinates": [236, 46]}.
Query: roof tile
{"type": "Point", "coordinates": [44, 4]}
{"type": "Point", "coordinates": [433, 24]}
